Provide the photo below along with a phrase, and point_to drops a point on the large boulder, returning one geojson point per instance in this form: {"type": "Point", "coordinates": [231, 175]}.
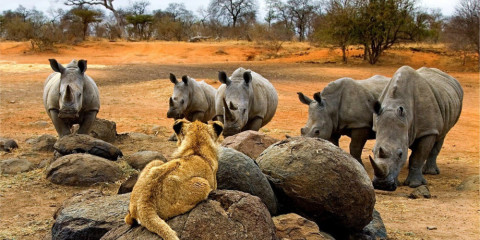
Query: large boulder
{"type": "Point", "coordinates": [104, 129]}
{"type": "Point", "coordinates": [294, 226]}
{"type": "Point", "coordinates": [44, 142]}
{"type": "Point", "coordinates": [82, 143]}
{"type": "Point", "coordinates": [250, 142]}
{"type": "Point", "coordinates": [12, 166]}
{"type": "Point", "coordinates": [236, 171]}
{"type": "Point", "coordinates": [316, 179]}
{"type": "Point", "coordinates": [128, 185]}
{"type": "Point", "coordinates": [82, 170]}
{"type": "Point", "coordinates": [7, 144]}
{"type": "Point", "coordinates": [225, 215]}
{"type": "Point", "coordinates": [89, 216]}
{"type": "Point", "coordinates": [140, 159]}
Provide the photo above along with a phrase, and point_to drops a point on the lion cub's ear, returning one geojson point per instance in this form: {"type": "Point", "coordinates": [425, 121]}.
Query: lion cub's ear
{"type": "Point", "coordinates": [217, 127]}
{"type": "Point", "coordinates": [178, 125]}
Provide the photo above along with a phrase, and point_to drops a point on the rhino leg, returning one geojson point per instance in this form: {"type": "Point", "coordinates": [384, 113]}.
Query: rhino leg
{"type": "Point", "coordinates": [87, 122]}
{"type": "Point", "coordinates": [253, 124]}
{"type": "Point", "coordinates": [430, 166]}
{"type": "Point", "coordinates": [60, 126]}
{"type": "Point", "coordinates": [359, 137]}
{"type": "Point", "coordinates": [420, 150]}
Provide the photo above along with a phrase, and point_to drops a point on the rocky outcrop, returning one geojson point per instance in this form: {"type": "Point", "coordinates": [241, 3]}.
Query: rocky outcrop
{"type": "Point", "coordinates": [44, 142]}
{"type": "Point", "coordinates": [250, 142]}
{"type": "Point", "coordinates": [104, 129]}
{"type": "Point", "coordinates": [140, 159]}
{"type": "Point", "coordinates": [7, 144]}
{"type": "Point", "coordinates": [13, 166]}
{"type": "Point", "coordinates": [82, 143]}
{"type": "Point", "coordinates": [294, 226]}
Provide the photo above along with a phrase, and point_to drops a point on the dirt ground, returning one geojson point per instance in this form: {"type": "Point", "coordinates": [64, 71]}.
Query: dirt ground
{"type": "Point", "coordinates": [134, 89]}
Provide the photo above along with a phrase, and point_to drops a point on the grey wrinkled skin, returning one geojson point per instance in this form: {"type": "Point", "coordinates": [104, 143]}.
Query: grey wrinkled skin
{"type": "Point", "coordinates": [70, 96]}
{"type": "Point", "coordinates": [191, 100]}
{"type": "Point", "coordinates": [245, 101]}
{"type": "Point", "coordinates": [344, 107]}
{"type": "Point", "coordinates": [416, 110]}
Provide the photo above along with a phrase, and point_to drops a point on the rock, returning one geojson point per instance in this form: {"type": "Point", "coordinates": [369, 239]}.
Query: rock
{"type": "Point", "coordinates": [421, 191]}
{"type": "Point", "coordinates": [293, 226]}
{"type": "Point", "coordinates": [42, 143]}
{"type": "Point", "coordinates": [78, 198]}
{"type": "Point", "coordinates": [134, 136]}
{"type": "Point", "coordinates": [236, 171]}
{"type": "Point", "coordinates": [225, 215]}
{"type": "Point", "coordinates": [140, 159]}
{"type": "Point", "coordinates": [250, 142]}
{"type": "Point", "coordinates": [431, 228]}
{"type": "Point", "coordinates": [470, 184]}
{"type": "Point", "coordinates": [104, 129]}
{"type": "Point", "coordinates": [375, 230]}
{"type": "Point", "coordinates": [128, 185]}
{"type": "Point", "coordinates": [40, 124]}
{"type": "Point", "coordinates": [82, 170]}
{"type": "Point", "coordinates": [13, 166]}
{"type": "Point", "coordinates": [90, 218]}
{"type": "Point", "coordinates": [82, 143]}
{"type": "Point", "coordinates": [7, 144]}
{"type": "Point", "coordinates": [318, 180]}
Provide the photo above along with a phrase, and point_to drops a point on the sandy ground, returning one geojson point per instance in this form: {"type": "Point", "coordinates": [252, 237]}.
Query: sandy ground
{"type": "Point", "coordinates": [134, 87]}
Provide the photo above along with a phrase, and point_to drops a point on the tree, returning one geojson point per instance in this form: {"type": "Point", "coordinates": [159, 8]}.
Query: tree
{"type": "Point", "coordinates": [462, 29]}
{"type": "Point", "coordinates": [108, 4]}
{"type": "Point", "coordinates": [87, 17]}
{"type": "Point", "coordinates": [140, 21]}
{"type": "Point", "coordinates": [383, 23]}
{"type": "Point", "coordinates": [302, 13]}
{"type": "Point", "coordinates": [232, 10]}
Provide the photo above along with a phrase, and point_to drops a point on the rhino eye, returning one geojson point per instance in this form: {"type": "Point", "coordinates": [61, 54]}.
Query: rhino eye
{"type": "Point", "coordinates": [317, 131]}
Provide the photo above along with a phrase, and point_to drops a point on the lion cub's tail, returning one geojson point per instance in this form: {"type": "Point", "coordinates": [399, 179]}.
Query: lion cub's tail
{"type": "Point", "coordinates": [154, 223]}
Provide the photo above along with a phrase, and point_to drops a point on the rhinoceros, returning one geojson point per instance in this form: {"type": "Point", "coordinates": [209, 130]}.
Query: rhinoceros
{"type": "Point", "coordinates": [245, 101]}
{"type": "Point", "coordinates": [344, 107]}
{"type": "Point", "coordinates": [416, 110]}
{"type": "Point", "coordinates": [192, 100]}
{"type": "Point", "coordinates": [70, 96]}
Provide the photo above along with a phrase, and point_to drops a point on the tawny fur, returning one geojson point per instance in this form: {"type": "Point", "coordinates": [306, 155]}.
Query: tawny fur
{"type": "Point", "coordinates": [166, 190]}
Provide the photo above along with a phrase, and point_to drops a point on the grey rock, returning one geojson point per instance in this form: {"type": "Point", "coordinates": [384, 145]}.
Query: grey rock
{"type": "Point", "coordinates": [315, 178]}
{"type": "Point", "coordinates": [90, 217]}
{"type": "Point", "coordinates": [419, 192]}
{"type": "Point", "coordinates": [225, 215]}
{"type": "Point", "coordinates": [43, 143]}
{"type": "Point", "coordinates": [40, 124]}
{"type": "Point", "coordinates": [7, 144]}
{"type": "Point", "coordinates": [236, 171]}
{"type": "Point", "coordinates": [82, 143]}
{"type": "Point", "coordinates": [375, 230]}
{"type": "Point", "coordinates": [470, 184]}
{"type": "Point", "coordinates": [250, 142]}
{"type": "Point", "coordinates": [13, 166]}
{"type": "Point", "coordinates": [104, 129]}
{"type": "Point", "coordinates": [82, 170]}
{"type": "Point", "coordinates": [140, 159]}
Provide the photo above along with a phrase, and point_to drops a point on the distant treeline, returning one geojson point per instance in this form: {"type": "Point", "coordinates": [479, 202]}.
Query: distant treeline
{"type": "Point", "coordinates": [374, 24]}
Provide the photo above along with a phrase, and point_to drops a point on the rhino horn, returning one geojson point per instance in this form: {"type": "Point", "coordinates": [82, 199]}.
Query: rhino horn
{"type": "Point", "coordinates": [170, 102]}
{"type": "Point", "coordinates": [68, 94]}
{"type": "Point", "coordinates": [304, 99]}
{"type": "Point", "coordinates": [228, 114]}
{"type": "Point", "coordinates": [382, 153]}
{"type": "Point", "coordinates": [173, 79]}
{"type": "Point", "coordinates": [378, 169]}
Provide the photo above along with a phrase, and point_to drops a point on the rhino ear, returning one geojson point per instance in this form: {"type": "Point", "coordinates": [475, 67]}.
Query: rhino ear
{"type": "Point", "coordinates": [304, 99]}
{"type": "Point", "coordinates": [173, 79]}
{"type": "Point", "coordinates": [377, 107]}
{"type": "Point", "coordinates": [185, 79]}
{"type": "Point", "coordinates": [247, 76]}
{"type": "Point", "coordinates": [222, 77]}
{"type": "Point", "coordinates": [82, 65]}
{"type": "Point", "coordinates": [57, 67]}
{"type": "Point", "coordinates": [318, 97]}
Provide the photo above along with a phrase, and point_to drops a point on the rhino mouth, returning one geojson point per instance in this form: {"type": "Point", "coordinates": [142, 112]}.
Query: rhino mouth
{"type": "Point", "coordinates": [68, 114]}
{"type": "Point", "coordinates": [384, 184]}
{"type": "Point", "coordinates": [230, 131]}
{"type": "Point", "coordinates": [175, 115]}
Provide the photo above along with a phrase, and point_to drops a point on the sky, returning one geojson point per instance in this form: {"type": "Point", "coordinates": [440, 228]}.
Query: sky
{"type": "Point", "coordinates": [447, 7]}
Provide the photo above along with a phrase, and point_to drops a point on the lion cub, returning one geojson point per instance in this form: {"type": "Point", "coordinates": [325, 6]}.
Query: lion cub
{"type": "Point", "coordinates": [165, 190]}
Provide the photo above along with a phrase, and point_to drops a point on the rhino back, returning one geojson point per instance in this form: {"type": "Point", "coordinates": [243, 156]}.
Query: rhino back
{"type": "Point", "coordinates": [265, 99]}
{"type": "Point", "coordinates": [448, 94]}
